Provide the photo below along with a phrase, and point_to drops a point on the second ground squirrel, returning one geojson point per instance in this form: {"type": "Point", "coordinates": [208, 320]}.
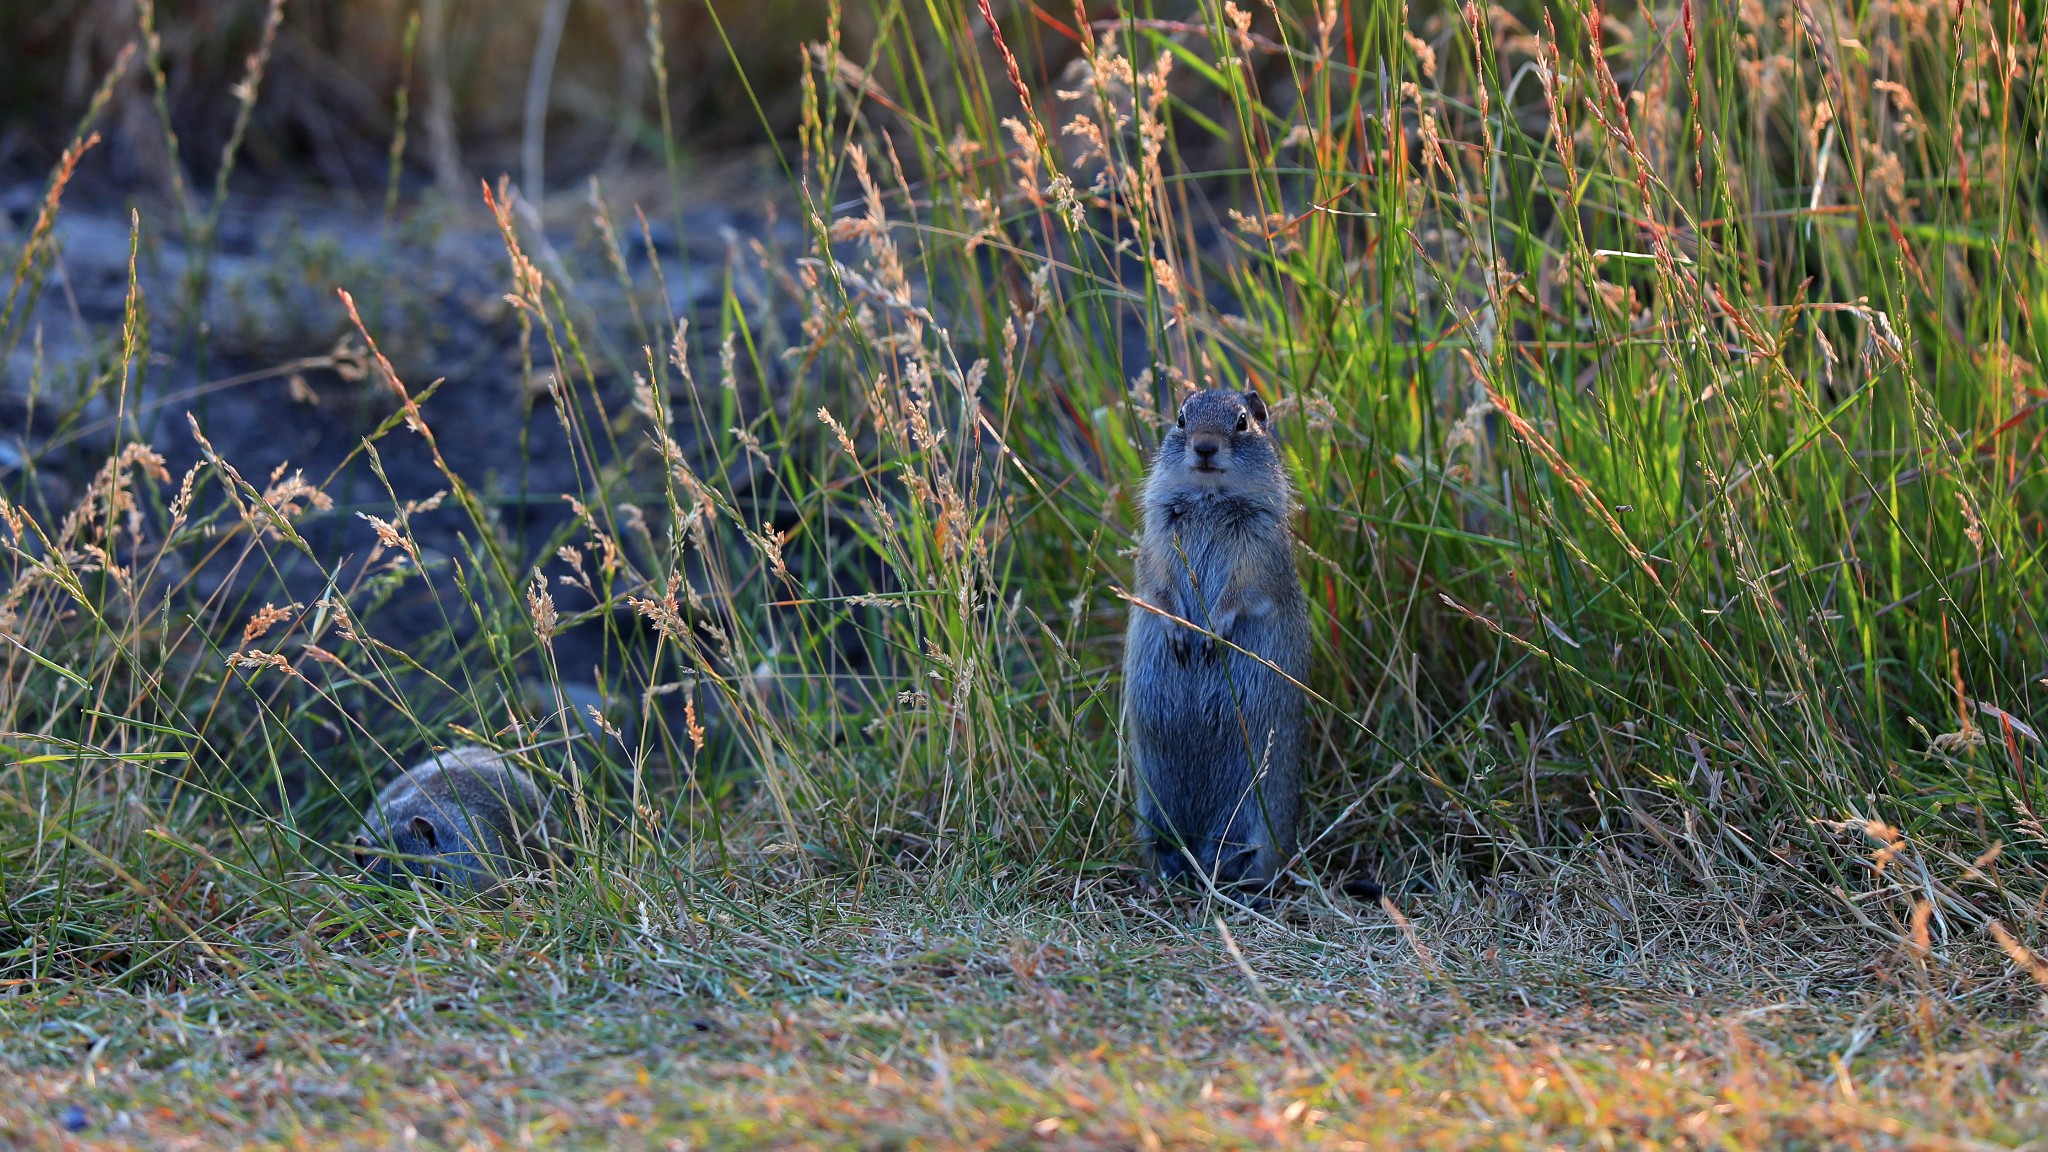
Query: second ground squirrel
{"type": "Point", "coordinates": [461, 820]}
{"type": "Point", "coordinates": [1215, 729]}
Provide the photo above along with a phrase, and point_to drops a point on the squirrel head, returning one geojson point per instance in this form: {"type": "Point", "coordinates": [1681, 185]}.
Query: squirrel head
{"type": "Point", "coordinates": [407, 848]}
{"type": "Point", "coordinates": [460, 821]}
{"type": "Point", "coordinates": [1219, 443]}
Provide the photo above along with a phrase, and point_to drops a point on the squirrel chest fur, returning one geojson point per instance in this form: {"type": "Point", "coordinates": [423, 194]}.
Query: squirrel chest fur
{"type": "Point", "coordinates": [462, 820]}
{"type": "Point", "coordinates": [1214, 728]}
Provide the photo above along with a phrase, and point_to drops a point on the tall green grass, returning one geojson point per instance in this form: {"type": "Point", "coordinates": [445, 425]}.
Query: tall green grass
{"type": "Point", "coordinates": [1659, 386]}
{"type": "Point", "coordinates": [1667, 455]}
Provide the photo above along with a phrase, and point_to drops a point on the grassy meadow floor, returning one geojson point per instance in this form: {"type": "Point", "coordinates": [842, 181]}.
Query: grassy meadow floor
{"type": "Point", "coordinates": [1563, 1013]}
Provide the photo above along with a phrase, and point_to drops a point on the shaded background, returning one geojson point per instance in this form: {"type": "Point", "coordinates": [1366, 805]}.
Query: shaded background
{"type": "Point", "coordinates": [306, 213]}
{"type": "Point", "coordinates": [326, 112]}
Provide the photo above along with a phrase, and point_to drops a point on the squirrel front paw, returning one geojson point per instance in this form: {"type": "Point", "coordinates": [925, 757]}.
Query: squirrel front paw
{"type": "Point", "coordinates": [1188, 646]}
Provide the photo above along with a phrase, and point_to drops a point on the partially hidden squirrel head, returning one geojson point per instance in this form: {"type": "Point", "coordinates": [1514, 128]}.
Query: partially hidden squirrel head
{"type": "Point", "coordinates": [460, 821]}
{"type": "Point", "coordinates": [414, 846]}
{"type": "Point", "coordinates": [1219, 445]}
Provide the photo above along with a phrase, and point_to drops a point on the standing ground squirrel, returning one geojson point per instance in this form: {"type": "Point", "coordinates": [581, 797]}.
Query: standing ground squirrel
{"type": "Point", "coordinates": [1204, 720]}
{"type": "Point", "coordinates": [464, 819]}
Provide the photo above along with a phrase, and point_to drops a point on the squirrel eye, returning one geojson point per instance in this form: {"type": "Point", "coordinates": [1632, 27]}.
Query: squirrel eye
{"type": "Point", "coordinates": [1243, 421]}
{"type": "Point", "coordinates": [1180, 420]}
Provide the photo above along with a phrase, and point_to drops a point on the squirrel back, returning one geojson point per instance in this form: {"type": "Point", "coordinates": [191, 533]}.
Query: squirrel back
{"type": "Point", "coordinates": [1212, 707]}
{"type": "Point", "coordinates": [463, 820]}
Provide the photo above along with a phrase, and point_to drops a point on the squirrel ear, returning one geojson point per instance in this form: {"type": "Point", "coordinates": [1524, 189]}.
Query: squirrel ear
{"type": "Point", "coordinates": [425, 830]}
{"type": "Point", "coordinates": [1257, 405]}
{"type": "Point", "coordinates": [362, 847]}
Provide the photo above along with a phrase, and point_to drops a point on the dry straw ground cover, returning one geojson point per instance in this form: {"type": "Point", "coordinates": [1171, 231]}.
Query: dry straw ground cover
{"type": "Point", "coordinates": [1661, 386]}
{"type": "Point", "coordinates": [1539, 1019]}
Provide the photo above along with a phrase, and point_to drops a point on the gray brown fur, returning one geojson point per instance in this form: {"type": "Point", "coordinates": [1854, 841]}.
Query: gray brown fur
{"type": "Point", "coordinates": [462, 820]}
{"type": "Point", "coordinates": [1205, 722]}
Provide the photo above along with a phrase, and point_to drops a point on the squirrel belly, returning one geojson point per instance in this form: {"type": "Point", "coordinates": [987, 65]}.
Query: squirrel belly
{"type": "Point", "coordinates": [1215, 728]}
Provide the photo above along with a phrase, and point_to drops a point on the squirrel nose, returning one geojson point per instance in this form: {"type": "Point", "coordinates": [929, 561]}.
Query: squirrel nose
{"type": "Point", "coordinates": [1206, 449]}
